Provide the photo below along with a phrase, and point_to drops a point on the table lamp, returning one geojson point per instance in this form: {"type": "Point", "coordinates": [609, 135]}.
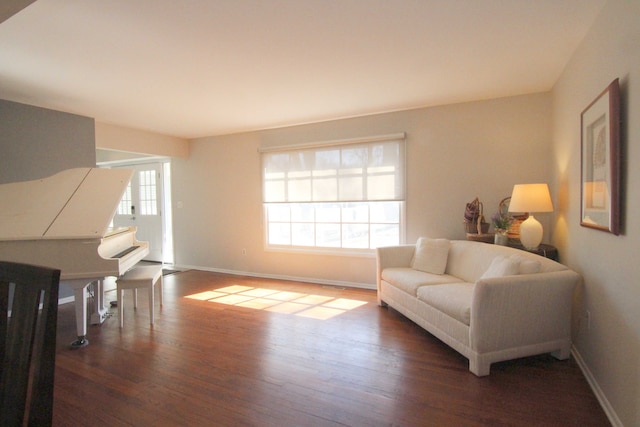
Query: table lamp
{"type": "Point", "coordinates": [530, 198]}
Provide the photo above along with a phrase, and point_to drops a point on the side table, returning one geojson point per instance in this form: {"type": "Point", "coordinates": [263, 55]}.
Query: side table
{"type": "Point", "coordinates": [547, 251]}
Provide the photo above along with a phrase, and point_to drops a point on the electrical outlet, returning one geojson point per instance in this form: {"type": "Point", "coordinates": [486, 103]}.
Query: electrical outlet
{"type": "Point", "coordinates": [244, 251]}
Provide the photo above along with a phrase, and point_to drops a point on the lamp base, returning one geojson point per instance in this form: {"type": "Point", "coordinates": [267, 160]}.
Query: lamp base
{"type": "Point", "coordinates": [531, 233]}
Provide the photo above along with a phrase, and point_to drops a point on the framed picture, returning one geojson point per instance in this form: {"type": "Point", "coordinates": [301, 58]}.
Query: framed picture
{"type": "Point", "coordinates": [600, 162]}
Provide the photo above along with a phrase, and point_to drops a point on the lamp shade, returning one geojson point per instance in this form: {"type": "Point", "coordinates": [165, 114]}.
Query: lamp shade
{"type": "Point", "coordinates": [530, 198]}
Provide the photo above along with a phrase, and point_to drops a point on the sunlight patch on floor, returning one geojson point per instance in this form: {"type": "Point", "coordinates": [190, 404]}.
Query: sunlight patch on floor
{"type": "Point", "coordinates": [300, 304]}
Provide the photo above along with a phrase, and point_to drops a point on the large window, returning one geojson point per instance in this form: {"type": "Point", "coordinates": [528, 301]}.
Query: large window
{"type": "Point", "coordinates": [336, 195]}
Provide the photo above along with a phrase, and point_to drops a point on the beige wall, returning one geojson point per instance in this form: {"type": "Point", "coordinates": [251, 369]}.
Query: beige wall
{"type": "Point", "coordinates": [118, 138]}
{"type": "Point", "coordinates": [455, 153]}
{"type": "Point", "coordinates": [610, 347]}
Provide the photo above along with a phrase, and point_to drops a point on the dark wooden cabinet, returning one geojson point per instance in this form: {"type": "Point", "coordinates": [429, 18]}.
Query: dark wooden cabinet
{"type": "Point", "coordinates": [547, 251]}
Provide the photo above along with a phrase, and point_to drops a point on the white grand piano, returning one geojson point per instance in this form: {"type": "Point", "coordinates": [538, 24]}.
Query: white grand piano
{"type": "Point", "coordinates": [62, 222]}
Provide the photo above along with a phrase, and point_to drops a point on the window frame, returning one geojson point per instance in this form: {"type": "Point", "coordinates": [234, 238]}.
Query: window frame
{"type": "Point", "coordinates": [334, 250]}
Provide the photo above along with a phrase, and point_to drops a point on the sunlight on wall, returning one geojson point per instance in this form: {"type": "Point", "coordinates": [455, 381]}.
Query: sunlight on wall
{"type": "Point", "coordinates": [300, 304]}
{"type": "Point", "coordinates": [563, 194]}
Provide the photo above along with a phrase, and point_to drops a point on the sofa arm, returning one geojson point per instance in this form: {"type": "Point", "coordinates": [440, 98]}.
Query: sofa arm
{"type": "Point", "coordinates": [515, 311]}
{"type": "Point", "coordinates": [393, 256]}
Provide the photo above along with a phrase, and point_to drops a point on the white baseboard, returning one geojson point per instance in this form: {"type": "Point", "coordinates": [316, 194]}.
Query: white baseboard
{"type": "Point", "coordinates": [279, 277]}
{"type": "Point", "coordinates": [604, 402]}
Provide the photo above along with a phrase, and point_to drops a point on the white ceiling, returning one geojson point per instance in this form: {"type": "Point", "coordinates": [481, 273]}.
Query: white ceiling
{"type": "Point", "coordinates": [194, 68]}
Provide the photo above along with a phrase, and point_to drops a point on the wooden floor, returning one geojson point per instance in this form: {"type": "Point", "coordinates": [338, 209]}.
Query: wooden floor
{"type": "Point", "coordinates": [294, 354]}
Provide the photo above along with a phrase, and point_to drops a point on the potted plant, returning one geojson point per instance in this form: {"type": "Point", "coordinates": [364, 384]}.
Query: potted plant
{"type": "Point", "coordinates": [501, 222]}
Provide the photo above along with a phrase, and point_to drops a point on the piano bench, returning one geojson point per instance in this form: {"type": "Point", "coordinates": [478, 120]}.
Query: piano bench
{"type": "Point", "coordinates": [139, 277]}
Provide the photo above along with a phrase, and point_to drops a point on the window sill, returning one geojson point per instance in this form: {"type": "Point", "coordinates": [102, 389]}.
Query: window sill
{"type": "Point", "coordinates": [341, 252]}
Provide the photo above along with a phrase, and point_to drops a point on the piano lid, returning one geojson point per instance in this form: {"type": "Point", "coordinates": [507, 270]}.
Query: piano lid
{"type": "Point", "coordinates": [72, 204]}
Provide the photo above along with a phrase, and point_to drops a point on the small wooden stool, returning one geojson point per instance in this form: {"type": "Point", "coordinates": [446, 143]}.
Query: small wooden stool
{"type": "Point", "coordinates": [139, 277]}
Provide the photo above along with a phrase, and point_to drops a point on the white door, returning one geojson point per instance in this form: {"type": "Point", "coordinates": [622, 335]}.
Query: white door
{"type": "Point", "coordinates": [141, 206]}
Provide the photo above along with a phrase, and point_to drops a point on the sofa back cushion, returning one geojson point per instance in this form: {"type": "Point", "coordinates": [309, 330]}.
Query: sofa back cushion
{"type": "Point", "coordinates": [469, 260]}
{"type": "Point", "coordinates": [431, 255]}
{"type": "Point", "coordinates": [527, 265]}
{"type": "Point", "coordinates": [501, 266]}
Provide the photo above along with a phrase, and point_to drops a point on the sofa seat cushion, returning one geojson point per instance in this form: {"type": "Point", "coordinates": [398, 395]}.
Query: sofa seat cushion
{"type": "Point", "coordinates": [453, 299]}
{"type": "Point", "coordinates": [409, 280]}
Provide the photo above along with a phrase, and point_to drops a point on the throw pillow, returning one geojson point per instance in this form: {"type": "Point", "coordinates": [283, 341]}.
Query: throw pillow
{"type": "Point", "coordinates": [527, 266]}
{"type": "Point", "coordinates": [431, 255]}
{"type": "Point", "coordinates": [501, 266]}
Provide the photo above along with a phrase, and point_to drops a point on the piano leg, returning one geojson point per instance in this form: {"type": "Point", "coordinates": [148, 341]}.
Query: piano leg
{"type": "Point", "coordinates": [99, 311]}
{"type": "Point", "coordinates": [80, 296]}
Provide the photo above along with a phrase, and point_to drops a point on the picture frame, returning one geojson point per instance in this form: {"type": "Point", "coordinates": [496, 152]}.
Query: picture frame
{"type": "Point", "coordinates": [600, 162]}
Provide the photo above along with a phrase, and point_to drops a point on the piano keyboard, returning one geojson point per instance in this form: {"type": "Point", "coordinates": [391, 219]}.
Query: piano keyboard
{"type": "Point", "coordinates": [126, 251]}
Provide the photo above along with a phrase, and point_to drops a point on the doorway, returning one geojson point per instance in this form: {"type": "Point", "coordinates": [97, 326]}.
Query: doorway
{"type": "Point", "coordinates": [146, 205]}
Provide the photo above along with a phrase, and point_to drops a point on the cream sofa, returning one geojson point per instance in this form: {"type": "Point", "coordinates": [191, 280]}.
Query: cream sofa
{"type": "Point", "coordinates": [488, 302]}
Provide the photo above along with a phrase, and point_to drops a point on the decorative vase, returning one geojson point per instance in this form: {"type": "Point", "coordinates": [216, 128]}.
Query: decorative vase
{"type": "Point", "coordinates": [501, 237]}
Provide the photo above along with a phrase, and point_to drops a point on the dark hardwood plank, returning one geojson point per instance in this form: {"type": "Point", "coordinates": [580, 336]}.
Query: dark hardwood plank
{"type": "Point", "coordinates": [205, 363]}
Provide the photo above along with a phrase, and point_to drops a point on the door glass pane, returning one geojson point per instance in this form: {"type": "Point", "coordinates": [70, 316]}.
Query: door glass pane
{"type": "Point", "coordinates": [124, 208]}
{"type": "Point", "coordinates": [148, 200]}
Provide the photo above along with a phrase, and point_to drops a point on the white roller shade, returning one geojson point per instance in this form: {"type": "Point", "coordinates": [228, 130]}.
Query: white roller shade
{"type": "Point", "coordinates": [333, 172]}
